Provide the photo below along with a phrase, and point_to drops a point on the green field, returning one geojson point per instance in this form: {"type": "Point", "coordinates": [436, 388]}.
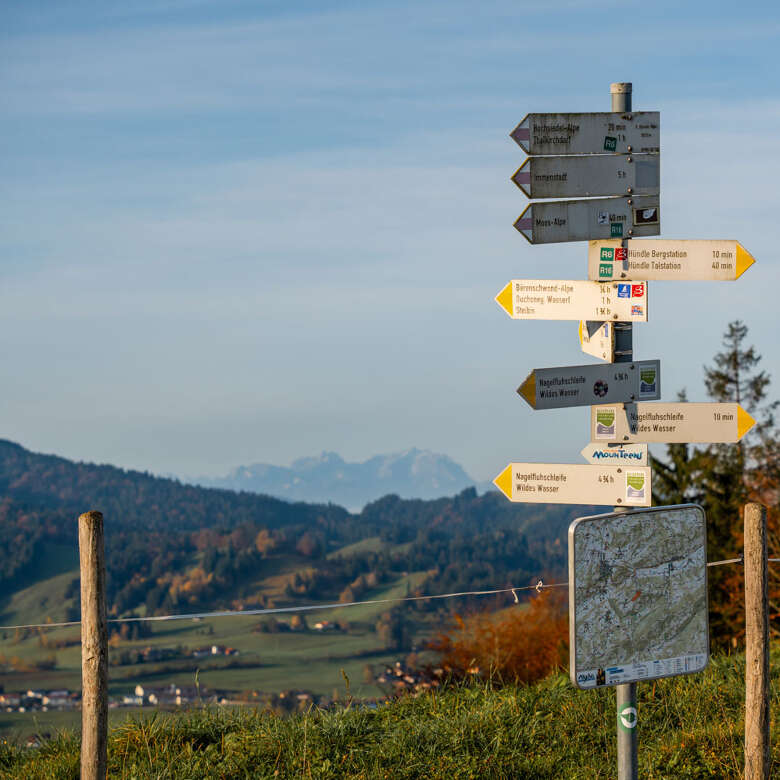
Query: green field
{"type": "Point", "coordinates": [269, 662]}
{"type": "Point", "coordinates": [689, 727]}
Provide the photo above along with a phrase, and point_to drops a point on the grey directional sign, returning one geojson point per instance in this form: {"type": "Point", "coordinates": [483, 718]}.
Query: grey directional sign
{"type": "Point", "coordinates": [554, 221]}
{"type": "Point", "coordinates": [596, 174]}
{"type": "Point", "coordinates": [557, 388]}
{"type": "Point", "coordinates": [591, 133]}
{"type": "Point", "coordinates": [638, 595]}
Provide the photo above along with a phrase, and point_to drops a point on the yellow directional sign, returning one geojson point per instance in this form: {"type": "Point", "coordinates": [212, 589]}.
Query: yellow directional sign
{"type": "Point", "coordinates": [569, 483]}
{"type": "Point", "coordinates": [673, 423]}
{"type": "Point", "coordinates": [565, 386]}
{"type": "Point", "coordinates": [600, 342]}
{"type": "Point", "coordinates": [719, 261]}
{"type": "Point", "coordinates": [557, 299]}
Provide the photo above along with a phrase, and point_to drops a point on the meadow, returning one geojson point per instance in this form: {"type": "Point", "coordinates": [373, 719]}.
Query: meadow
{"type": "Point", "coordinates": [689, 727]}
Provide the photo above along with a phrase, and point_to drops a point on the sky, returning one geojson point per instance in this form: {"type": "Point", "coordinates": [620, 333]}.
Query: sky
{"type": "Point", "coordinates": [238, 232]}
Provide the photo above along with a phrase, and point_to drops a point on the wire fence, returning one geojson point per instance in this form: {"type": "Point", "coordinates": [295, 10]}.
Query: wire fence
{"type": "Point", "coordinates": [538, 587]}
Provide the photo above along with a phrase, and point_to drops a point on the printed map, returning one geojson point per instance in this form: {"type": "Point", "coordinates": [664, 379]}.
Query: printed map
{"type": "Point", "coordinates": [638, 596]}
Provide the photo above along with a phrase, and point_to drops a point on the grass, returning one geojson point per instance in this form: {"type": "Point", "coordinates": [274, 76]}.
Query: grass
{"type": "Point", "coordinates": [689, 727]}
{"type": "Point", "coordinates": [306, 660]}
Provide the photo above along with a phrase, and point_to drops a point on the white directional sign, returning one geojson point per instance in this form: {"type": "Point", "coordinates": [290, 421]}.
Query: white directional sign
{"type": "Point", "coordinates": [722, 261]}
{"type": "Point", "coordinates": [568, 483]}
{"type": "Point", "coordinates": [638, 595]}
{"type": "Point", "coordinates": [592, 133]}
{"type": "Point", "coordinates": [599, 452]}
{"type": "Point", "coordinates": [589, 175]}
{"type": "Point", "coordinates": [675, 423]}
{"type": "Point", "coordinates": [556, 388]}
{"type": "Point", "coordinates": [546, 299]}
{"type": "Point", "coordinates": [555, 221]}
{"type": "Point", "coordinates": [600, 342]}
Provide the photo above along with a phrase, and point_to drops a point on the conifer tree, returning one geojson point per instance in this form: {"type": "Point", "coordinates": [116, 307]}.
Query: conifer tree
{"type": "Point", "coordinates": [723, 477]}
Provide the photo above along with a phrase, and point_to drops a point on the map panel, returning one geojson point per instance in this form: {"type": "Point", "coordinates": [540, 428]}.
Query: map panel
{"type": "Point", "coordinates": [638, 595]}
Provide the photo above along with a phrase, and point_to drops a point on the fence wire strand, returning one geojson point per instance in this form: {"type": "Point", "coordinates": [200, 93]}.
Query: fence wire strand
{"type": "Point", "coordinates": [538, 587]}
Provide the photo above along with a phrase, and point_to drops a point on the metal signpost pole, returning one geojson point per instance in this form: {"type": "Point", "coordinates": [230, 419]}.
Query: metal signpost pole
{"type": "Point", "coordinates": [624, 353]}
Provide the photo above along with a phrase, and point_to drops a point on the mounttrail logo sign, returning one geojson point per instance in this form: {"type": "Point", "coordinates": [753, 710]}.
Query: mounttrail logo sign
{"type": "Point", "coordinates": [630, 454]}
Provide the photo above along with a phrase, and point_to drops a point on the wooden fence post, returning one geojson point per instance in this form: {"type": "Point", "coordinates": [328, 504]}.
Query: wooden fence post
{"type": "Point", "coordinates": [757, 753]}
{"type": "Point", "coordinates": [94, 648]}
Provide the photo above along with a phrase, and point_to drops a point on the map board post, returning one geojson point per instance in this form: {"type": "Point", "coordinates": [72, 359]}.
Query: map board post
{"type": "Point", "coordinates": [638, 595]}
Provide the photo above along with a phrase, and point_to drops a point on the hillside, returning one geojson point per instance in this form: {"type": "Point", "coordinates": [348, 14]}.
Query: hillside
{"type": "Point", "coordinates": [221, 543]}
{"type": "Point", "coordinates": [174, 548]}
{"type": "Point", "coordinates": [328, 477]}
{"type": "Point", "coordinates": [688, 727]}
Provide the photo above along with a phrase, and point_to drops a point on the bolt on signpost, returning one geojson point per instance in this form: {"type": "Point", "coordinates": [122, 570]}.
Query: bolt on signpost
{"type": "Point", "coordinates": [605, 168]}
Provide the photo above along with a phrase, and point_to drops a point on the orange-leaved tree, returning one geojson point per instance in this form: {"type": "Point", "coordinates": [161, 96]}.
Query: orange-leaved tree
{"type": "Point", "coordinates": [518, 645]}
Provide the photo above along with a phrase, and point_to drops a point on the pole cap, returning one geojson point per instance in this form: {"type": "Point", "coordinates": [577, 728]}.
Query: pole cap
{"type": "Point", "coordinates": [621, 88]}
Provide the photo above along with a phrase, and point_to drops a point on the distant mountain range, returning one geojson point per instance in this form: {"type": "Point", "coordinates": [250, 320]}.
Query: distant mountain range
{"type": "Point", "coordinates": [329, 478]}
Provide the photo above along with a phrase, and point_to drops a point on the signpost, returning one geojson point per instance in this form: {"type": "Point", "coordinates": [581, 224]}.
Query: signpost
{"type": "Point", "coordinates": [566, 386]}
{"type": "Point", "coordinates": [598, 340]}
{"type": "Point", "coordinates": [670, 423]}
{"type": "Point", "coordinates": [619, 132]}
{"type": "Point", "coordinates": [546, 299]}
{"type": "Point", "coordinates": [595, 154]}
{"type": "Point", "coordinates": [599, 452]}
{"type": "Point", "coordinates": [556, 221]}
{"type": "Point", "coordinates": [722, 261]}
{"type": "Point", "coordinates": [586, 176]}
{"type": "Point", "coordinates": [567, 483]}
{"type": "Point", "coordinates": [637, 597]}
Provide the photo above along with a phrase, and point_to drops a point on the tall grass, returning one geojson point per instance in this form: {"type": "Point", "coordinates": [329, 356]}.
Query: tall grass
{"type": "Point", "coordinates": [689, 727]}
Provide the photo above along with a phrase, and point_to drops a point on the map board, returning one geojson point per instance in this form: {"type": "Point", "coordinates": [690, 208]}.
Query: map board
{"type": "Point", "coordinates": [638, 595]}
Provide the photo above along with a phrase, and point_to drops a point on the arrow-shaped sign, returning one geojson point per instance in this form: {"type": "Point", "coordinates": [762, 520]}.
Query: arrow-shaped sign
{"type": "Point", "coordinates": [598, 341]}
{"type": "Point", "coordinates": [589, 175]}
{"type": "Point", "coordinates": [568, 483]}
{"type": "Point", "coordinates": [557, 388]}
{"type": "Point", "coordinates": [722, 261]}
{"type": "Point", "coordinates": [590, 133]}
{"type": "Point", "coordinates": [631, 454]}
{"type": "Point", "coordinates": [549, 299]}
{"type": "Point", "coordinates": [555, 221]}
{"type": "Point", "coordinates": [674, 423]}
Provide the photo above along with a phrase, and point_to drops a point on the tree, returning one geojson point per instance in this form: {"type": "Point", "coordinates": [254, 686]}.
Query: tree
{"type": "Point", "coordinates": [676, 482]}
{"type": "Point", "coordinates": [723, 477]}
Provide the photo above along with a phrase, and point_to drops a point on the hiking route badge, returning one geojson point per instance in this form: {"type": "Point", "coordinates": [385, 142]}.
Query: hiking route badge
{"type": "Point", "coordinates": [638, 595]}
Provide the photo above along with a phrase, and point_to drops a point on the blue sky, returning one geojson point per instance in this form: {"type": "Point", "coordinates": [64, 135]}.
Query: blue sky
{"type": "Point", "coordinates": [250, 231]}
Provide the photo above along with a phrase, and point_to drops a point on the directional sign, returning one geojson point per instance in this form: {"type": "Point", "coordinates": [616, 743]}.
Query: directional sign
{"type": "Point", "coordinates": [599, 452]}
{"type": "Point", "coordinates": [545, 299]}
{"type": "Point", "coordinates": [594, 133]}
{"type": "Point", "coordinates": [595, 174]}
{"type": "Point", "coordinates": [600, 342]}
{"type": "Point", "coordinates": [554, 221]}
{"type": "Point", "coordinates": [722, 261]}
{"type": "Point", "coordinates": [567, 483]}
{"type": "Point", "coordinates": [556, 388]}
{"type": "Point", "coordinates": [676, 423]}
